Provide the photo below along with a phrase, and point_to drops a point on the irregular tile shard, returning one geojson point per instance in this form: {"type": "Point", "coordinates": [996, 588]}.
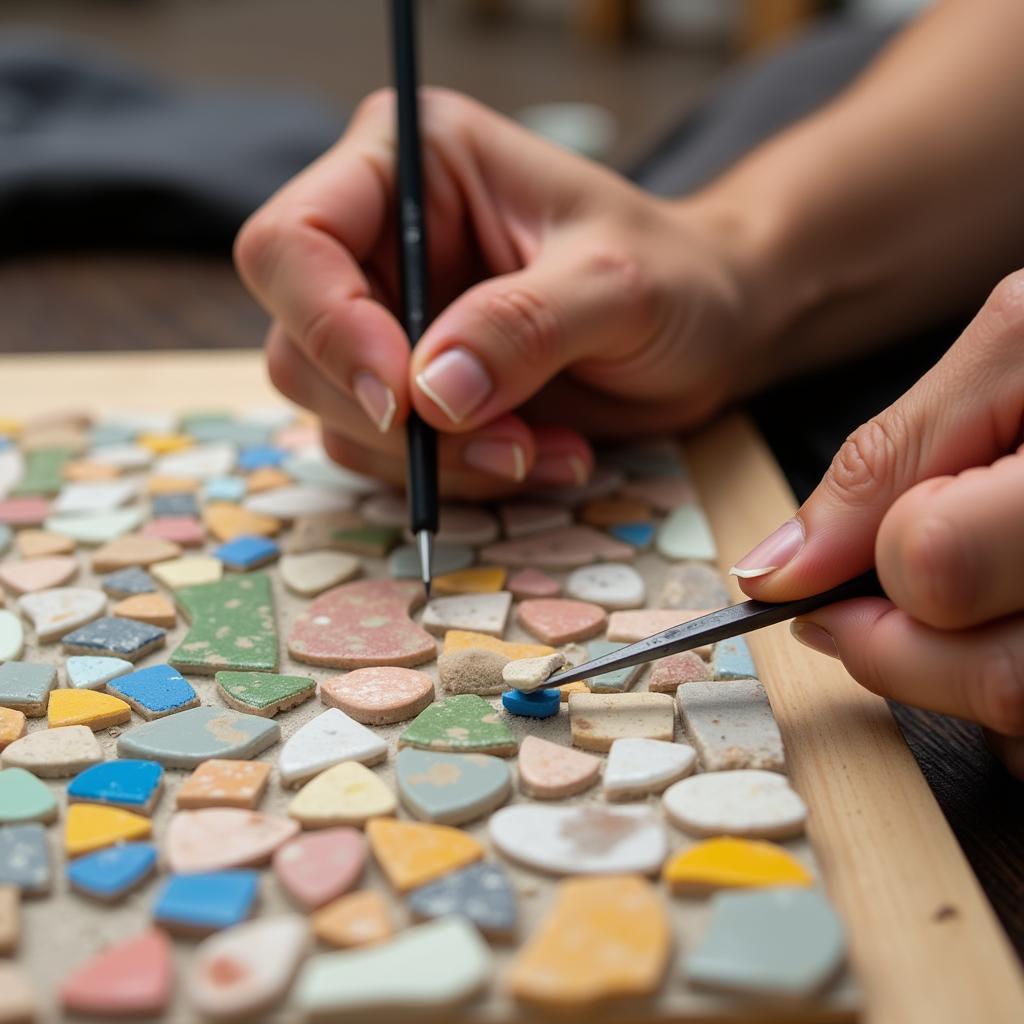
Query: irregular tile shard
{"type": "Point", "coordinates": [42, 544]}
{"type": "Point", "coordinates": [485, 579]}
{"type": "Point", "coordinates": [550, 771]}
{"type": "Point", "coordinates": [359, 919]}
{"type": "Point", "coordinates": [344, 794]}
{"type": "Point", "coordinates": [186, 739]}
{"type": "Point", "coordinates": [90, 827]}
{"type": "Point", "coordinates": [54, 753]}
{"type": "Point", "coordinates": [731, 725]}
{"type": "Point", "coordinates": [195, 905]}
{"type": "Point", "coordinates": [190, 571]}
{"type": "Point", "coordinates": [565, 548]}
{"type": "Point", "coordinates": [611, 585]}
{"type": "Point", "coordinates": [328, 739]}
{"type": "Point", "coordinates": [479, 613]}
{"type": "Point", "coordinates": [556, 620]}
{"type": "Point", "coordinates": [381, 695]}
{"type": "Point", "coordinates": [731, 659]}
{"type": "Point", "coordinates": [231, 626]}
{"type": "Point", "coordinates": [218, 838]}
{"type": "Point", "coordinates": [482, 893]}
{"type": "Point", "coordinates": [127, 783]}
{"type": "Point", "coordinates": [86, 707]}
{"type": "Point", "coordinates": [604, 938]}
{"type": "Point", "coordinates": [115, 638]}
{"type": "Point", "coordinates": [747, 803]}
{"type": "Point", "coordinates": [155, 691]}
{"type": "Point", "coordinates": [312, 572]}
{"type": "Point", "coordinates": [263, 693]}
{"type": "Point", "coordinates": [686, 534]}
{"type": "Point", "coordinates": [133, 549]}
{"type": "Point", "coordinates": [97, 527]}
{"type": "Point", "coordinates": [451, 789]}
{"type": "Point", "coordinates": [692, 585]}
{"type": "Point", "coordinates": [111, 873]}
{"type": "Point", "coordinates": [34, 574]}
{"type": "Point", "coordinates": [727, 863]}
{"type": "Point", "coordinates": [222, 782]}
{"type": "Point", "coordinates": [412, 854]}
{"type": "Point", "coordinates": [153, 609]}
{"type": "Point", "coordinates": [128, 582]}
{"type": "Point", "coordinates": [617, 680]}
{"type": "Point", "coordinates": [319, 867]}
{"type": "Point", "coordinates": [25, 858]}
{"type": "Point", "coordinates": [433, 966]}
{"type": "Point", "coordinates": [24, 798]}
{"type": "Point", "coordinates": [630, 626]}
{"type": "Point", "coordinates": [12, 726]}
{"type": "Point", "coordinates": [776, 942]}
{"type": "Point", "coordinates": [404, 562]}
{"type": "Point", "coordinates": [586, 839]}
{"type": "Point", "coordinates": [248, 969]}
{"type": "Point", "coordinates": [464, 723]}
{"type": "Point", "coordinates": [25, 686]}
{"type": "Point", "coordinates": [227, 522]}
{"type": "Point", "coordinates": [360, 624]}
{"type": "Point", "coordinates": [533, 583]}
{"type": "Point", "coordinates": [668, 674]}
{"type": "Point", "coordinates": [597, 720]}
{"type": "Point", "coordinates": [86, 672]}
{"type": "Point", "coordinates": [529, 674]}
{"type": "Point", "coordinates": [59, 610]}
{"type": "Point", "coordinates": [131, 978]}
{"type": "Point", "coordinates": [638, 766]}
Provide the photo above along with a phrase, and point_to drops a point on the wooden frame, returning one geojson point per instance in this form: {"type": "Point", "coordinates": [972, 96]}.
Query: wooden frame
{"type": "Point", "coordinates": [925, 943]}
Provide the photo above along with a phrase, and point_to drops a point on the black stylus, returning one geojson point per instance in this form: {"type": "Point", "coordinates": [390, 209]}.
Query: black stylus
{"type": "Point", "coordinates": [413, 277]}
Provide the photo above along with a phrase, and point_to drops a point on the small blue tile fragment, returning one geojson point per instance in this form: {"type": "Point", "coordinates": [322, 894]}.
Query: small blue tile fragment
{"type": "Point", "coordinates": [538, 704]}
{"type": "Point", "coordinates": [207, 901]}
{"type": "Point", "coordinates": [109, 874]}
{"type": "Point", "coordinates": [128, 582]}
{"type": "Point", "coordinates": [260, 457]}
{"type": "Point", "coordinates": [731, 659]}
{"type": "Point", "coordinates": [640, 535]}
{"type": "Point", "coordinates": [25, 857]}
{"type": "Point", "coordinates": [5, 443]}
{"type": "Point", "coordinates": [128, 783]}
{"type": "Point", "coordinates": [155, 691]}
{"type": "Point", "coordinates": [174, 505]}
{"type": "Point", "coordinates": [247, 552]}
{"type": "Point", "coordinates": [224, 488]}
{"type": "Point", "coordinates": [617, 680]}
{"type": "Point", "coordinates": [115, 637]}
{"type": "Point", "coordinates": [483, 893]}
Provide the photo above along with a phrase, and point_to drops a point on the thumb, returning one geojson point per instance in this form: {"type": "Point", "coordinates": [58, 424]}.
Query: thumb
{"type": "Point", "coordinates": [501, 341]}
{"type": "Point", "coordinates": [966, 411]}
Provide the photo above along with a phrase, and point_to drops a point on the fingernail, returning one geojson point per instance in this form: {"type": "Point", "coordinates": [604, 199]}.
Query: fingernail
{"type": "Point", "coordinates": [813, 636]}
{"type": "Point", "coordinates": [773, 552]}
{"type": "Point", "coordinates": [560, 470]}
{"type": "Point", "coordinates": [376, 398]}
{"type": "Point", "coordinates": [456, 382]}
{"type": "Point", "coordinates": [497, 458]}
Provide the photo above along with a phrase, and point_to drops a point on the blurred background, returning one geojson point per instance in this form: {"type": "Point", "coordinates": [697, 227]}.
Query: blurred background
{"type": "Point", "coordinates": [136, 134]}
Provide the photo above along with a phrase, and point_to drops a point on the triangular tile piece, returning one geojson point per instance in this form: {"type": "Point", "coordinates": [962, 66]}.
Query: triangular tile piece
{"type": "Point", "coordinates": [132, 785]}
{"type": "Point", "coordinates": [781, 943]}
{"type": "Point", "coordinates": [263, 693]}
{"type": "Point", "coordinates": [362, 623]}
{"type": "Point", "coordinates": [154, 609]}
{"type": "Point", "coordinates": [483, 893]}
{"type": "Point", "coordinates": [345, 794]}
{"type": "Point", "coordinates": [54, 753]}
{"type": "Point", "coordinates": [35, 574]}
{"type": "Point", "coordinates": [88, 673]}
{"type": "Point", "coordinates": [481, 613]}
{"type": "Point", "coordinates": [320, 866]}
{"type": "Point", "coordinates": [86, 707]}
{"type": "Point", "coordinates": [330, 738]}
{"type": "Point", "coordinates": [131, 978]}
{"type": "Point", "coordinates": [638, 766]}
{"type": "Point", "coordinates": [451, 788]}
{"type": "Point", "coordinates": [432, 967]}
{"type": "Point", "coordinates": [360, 919]}
{"type": "Point", "coordinates": [241, 972]}
{"type": "Point", "coordinates": [24, 798]}
{"type": "Point", "coordinates": [186, 739]}
{"type": "Point", "coordinates": [603, 938]}
{"type": "Point", "coordinates": [728, 863]}
{"type": "Point", "coordinates": [218, 838]}
{"type": "Point", "coordinates": [91, 827]}
{"type": "Point", "coordinates": [232, 626]}
{"type": "Point", "coordinates": [115, 638]}
{"type": "Point", "coordinates": [111, 873]}
{"type": "Point", "coordinates": [464, 723]}
{"type": "Point", "coordinates": [412, 853]}
{"type": "Point", "coordinates": [551, 771]}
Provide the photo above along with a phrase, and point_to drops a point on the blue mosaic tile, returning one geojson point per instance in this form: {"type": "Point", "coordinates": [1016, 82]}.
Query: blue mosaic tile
{"type": "Point", "coordinates": [174, 505]}
{"type": "Point", "coordinates": [25, 858]}
{"type": "Point", "coordinates": [260, 457]}
{"type": "Point", "coordinates": [731, 659]}
{"type": "Point", "coordinates": [483, 893]}
{"type": "Point", "coordinates": [224, 488]}
{"type": "Point", "coordinates": [128, 783]}
{"type": "Point", "coordinates": [155, 691]}
{"type": "Point", "coordinates": [110, 874]}
{"type": "Point", "coordinates": [128, 583]}
{"type": "Point", "coordinates": [247, 552]}
{"type": "Point", "coordinates": [206, 901]}
{"type": "Point", "coordinates": [639, 535]}
{"type": "Point", "coordinates": [538, 704]}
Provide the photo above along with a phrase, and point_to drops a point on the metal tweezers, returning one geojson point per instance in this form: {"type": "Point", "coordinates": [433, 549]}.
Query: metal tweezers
{"type": "Point", "coordinates": [726, 622]}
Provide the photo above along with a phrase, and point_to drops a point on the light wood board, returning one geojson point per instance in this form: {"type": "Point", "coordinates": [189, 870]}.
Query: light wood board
{"type": "Point", "coordinates": [925, 943]}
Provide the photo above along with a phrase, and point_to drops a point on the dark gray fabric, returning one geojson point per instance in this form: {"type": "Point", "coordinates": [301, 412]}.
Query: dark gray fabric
{"type": "Point", "coordinates": [96, 153]}
{"type": "Point", "coordinates": [804, 420]}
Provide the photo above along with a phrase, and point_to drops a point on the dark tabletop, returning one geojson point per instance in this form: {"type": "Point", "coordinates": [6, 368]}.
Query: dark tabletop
{"type": "Point", "coordinates": [107, 303]}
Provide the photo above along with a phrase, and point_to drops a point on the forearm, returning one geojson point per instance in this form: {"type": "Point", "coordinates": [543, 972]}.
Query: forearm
{"type": "Point", "coordinates": [900, 203]}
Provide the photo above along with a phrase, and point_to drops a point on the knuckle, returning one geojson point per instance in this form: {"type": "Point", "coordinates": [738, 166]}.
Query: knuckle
{"type": "Point", "coordinates": [632, 282]}
{"type": "Point", "coordinates": [999, 692]}
{"type": "Point", "coordinates": [319, 335]}
{"type": "Point", "coordinates": [868, 460]}
{"type": "Point", "coordinates": [526, 322]}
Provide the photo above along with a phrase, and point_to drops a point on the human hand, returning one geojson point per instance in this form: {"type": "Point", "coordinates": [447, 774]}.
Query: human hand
{"type": "Point", "coordinates": [556, 284]}
{"type": "Point", "coordinates": [932, 492]}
